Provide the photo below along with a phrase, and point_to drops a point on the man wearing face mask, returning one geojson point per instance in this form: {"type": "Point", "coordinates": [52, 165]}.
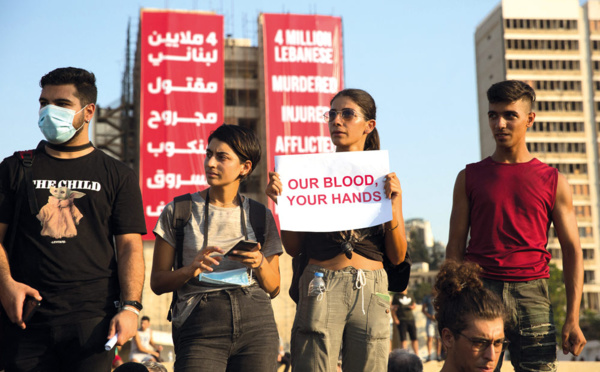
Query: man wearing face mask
{"type": "Point", "coordinates": [70, 233]}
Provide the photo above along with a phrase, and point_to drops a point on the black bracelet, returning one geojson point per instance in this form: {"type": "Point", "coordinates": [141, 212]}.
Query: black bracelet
{"type": "Point", "coordinates": [135, 304]}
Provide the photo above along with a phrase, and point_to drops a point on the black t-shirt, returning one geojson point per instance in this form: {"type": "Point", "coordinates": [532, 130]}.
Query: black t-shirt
{"type": "Point", "coordinates": [404, 311]}
{"type": "Point", "coordinates": [67, 251]}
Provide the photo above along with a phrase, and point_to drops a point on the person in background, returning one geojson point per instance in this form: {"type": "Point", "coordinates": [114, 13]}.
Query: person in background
{"type": "Point", "coordinates": [402, 314]}
{"type": "Point", "coordinates": [431, 328]}
{"type": "Point", "coordinates": [154, 366]}
{"type": "Point", "coordinates": [401, 360]}
{"type": "Point", "coordinates": [470, 319]}
{"type": "Point", "coordinates": [131, 367]}
{"type": "Point", "coordinates": [351, 261]}
{"type": "Point", "coordinates": [284, 357]}
{"type": "Point", "coordinates": [143, 347]}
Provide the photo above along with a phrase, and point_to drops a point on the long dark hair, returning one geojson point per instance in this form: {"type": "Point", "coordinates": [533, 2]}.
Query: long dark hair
{"type": "Point", "coordinates": [369, 111]}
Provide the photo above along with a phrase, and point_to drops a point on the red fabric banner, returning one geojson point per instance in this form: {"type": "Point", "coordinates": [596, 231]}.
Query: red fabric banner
{"type": "Point", "coordinates": [303, 61]}
{"type": "Point", "coordinates": [182, 102]}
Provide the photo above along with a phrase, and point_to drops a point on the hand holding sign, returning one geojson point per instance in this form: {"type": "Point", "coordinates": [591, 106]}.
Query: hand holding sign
{"type": "Point", "coordinates": [332, 192]}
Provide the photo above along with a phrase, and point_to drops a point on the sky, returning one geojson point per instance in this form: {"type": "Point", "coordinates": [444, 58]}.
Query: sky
{"type": "Point", "coordinates": [416, 58]}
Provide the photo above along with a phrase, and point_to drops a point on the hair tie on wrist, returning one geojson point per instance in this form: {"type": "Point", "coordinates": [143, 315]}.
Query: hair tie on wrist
{"type": "Point", "coordinates": [393, 228]}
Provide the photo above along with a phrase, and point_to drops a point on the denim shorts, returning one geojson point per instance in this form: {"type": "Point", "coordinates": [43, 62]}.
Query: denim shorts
{"type": "Point", "coordinates": [530, 327]}
{"type": "Point", "coordinates": [355, 320]}
{"type": "Point", "coordinates": [229, 330]}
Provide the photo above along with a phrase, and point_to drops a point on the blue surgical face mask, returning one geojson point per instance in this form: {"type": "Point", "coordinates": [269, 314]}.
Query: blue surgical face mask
{"type": "Point", "coordinates": [56, 123]}
{"type": "Point", "coordinates": [230, 277]}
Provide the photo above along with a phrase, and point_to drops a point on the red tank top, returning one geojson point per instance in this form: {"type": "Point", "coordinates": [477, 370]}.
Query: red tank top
{"type": "Point", "coordinates": [511, 210]}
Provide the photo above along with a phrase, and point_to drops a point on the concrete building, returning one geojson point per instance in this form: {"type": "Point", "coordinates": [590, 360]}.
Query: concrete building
{"type": "Point", "coordinates": [423, 229]}
{"type": "Point", "coordinates": [553, 45]}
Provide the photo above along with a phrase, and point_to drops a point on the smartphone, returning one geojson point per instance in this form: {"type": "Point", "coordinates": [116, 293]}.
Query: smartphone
{"type": "Point", "coordinates": [29, 308]}
{"type": "Point", "coordinates": [242, 245]}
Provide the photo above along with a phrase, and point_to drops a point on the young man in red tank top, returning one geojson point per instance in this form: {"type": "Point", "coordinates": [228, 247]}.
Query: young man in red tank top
{"type": "Point", "coordinates": [505, 203]}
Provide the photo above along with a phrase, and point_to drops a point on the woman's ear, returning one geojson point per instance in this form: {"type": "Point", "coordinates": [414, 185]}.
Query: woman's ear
{"type": "Point", "coordinates": [246, 168]}
{"type": "Point", "coordinates": [370, 126]}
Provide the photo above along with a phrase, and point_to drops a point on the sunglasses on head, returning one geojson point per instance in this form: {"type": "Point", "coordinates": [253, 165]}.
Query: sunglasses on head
{"type": "Point", "coordinates": [347, 114]}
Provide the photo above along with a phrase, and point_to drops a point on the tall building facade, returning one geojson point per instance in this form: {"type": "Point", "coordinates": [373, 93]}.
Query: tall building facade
{"type": "Point", "coordinates": [554, 46]}
{"type": "Point", "coordinates": [423, 230]}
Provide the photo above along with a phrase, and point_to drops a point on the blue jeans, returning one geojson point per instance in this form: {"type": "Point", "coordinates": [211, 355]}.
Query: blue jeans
{"type": "Point", "coordinates": [323, 326]}
{"type": "Point", "coordinates": [69, 347]}
{"type": "Point", "coordinates": [229, 330]}
{"type": "Point", "coordinates": [530, 327]}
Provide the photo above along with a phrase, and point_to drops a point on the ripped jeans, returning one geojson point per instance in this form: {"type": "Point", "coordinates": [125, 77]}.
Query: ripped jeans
{"type": "Point", "coordinates": [336, 320]}
{"type": "Point", "coordinates": [530, 327]}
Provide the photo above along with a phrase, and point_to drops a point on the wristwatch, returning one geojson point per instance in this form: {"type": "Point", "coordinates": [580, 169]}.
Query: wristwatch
{"type": "Point", "coordinates": [135, 304]}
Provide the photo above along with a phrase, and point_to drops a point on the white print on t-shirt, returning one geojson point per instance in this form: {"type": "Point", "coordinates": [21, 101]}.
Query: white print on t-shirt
{"type": "Point", "coordinates": [405, 300]}
{"type": "Point", "coordinates": [69, 184]}
{"type": "Point", "coordinates": [60, 216]}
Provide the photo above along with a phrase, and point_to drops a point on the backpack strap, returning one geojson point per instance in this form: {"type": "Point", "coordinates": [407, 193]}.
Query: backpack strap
{"type": "Point", "coordinates": [182, 213]}
{"type": "Point", "coordinates": [26, 158]}
{"type": "Point", "coordinates": [24, 181]}
{"type": "Point", "coordinates": [258, 217]}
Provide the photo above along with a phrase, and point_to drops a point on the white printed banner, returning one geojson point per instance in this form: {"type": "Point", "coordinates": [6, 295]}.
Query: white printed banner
{"type": "Point", "coordinates": [333, 192]}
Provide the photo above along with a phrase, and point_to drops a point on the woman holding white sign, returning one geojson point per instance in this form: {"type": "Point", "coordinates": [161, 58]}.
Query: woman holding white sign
{"type": "Point", "coordinates": [222, 263]}
{"type": "Point", "coordinates": [354, 312]}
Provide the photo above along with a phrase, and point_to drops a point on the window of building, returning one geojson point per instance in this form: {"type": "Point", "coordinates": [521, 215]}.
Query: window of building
{"type": "Point", "coordinates": [589, 277]}
{"type": "Point", "coordinates": [585, 232]}
{"type": "Point", "coordinates": [241, 69]}
{"type": "Point", "coordinates": [556, 253]}
{"type": "Point", "coordinates": [583, 190]}
{"type": "Point", "coordinates": [566, 106]}
{"type": "Point", "coordinates": [241, 97]}
{"type": "Point", "coordinates": [519, 64]}
{"type": "Point", "coordinates": [583, 211]}
{"type": "Point", "coordinates": [570, 168]}
{"type": "Point", "coordinates": [557, 85]}
{"type": "Point", "coordinates": [554, 147]}
{"type": "Point", "coordinates": [542, 44]}
{"type": "Point", "coordinates": [588, 254]}
{"type": "Point", "coordinates": [542, 24]}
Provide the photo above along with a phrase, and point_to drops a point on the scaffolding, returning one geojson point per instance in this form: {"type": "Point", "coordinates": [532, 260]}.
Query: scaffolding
{"type": "Point", "coordinates": [116, 130]}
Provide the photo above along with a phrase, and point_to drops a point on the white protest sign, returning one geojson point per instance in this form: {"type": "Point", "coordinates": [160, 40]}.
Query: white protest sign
{"type": "Point", "coordinates": [333, 192]}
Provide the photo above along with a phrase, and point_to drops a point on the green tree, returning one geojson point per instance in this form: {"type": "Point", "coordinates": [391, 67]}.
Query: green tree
{"type": "Point", "coordinates": [421, 290]}
{"type": "Point", "coordinates": [590, 325]}
{"type": "Point", "coordinates": [558, 298]}
{"type": "Point", "coordinates": [416, 248]}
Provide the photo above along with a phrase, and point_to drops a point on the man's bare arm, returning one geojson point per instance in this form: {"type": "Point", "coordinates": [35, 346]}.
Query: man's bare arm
{"type": "Point", "coordinates": [565, 224]}
{"type": "Point", "coordinates": [131, 278]}
{"type": "Point", "coordinates": [459, 221]}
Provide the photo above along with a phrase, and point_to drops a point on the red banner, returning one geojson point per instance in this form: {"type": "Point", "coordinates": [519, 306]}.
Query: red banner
{"type": "Point", "coordinates": [303, 59]}
{"type": "Point", "coordinates": [182, 101]}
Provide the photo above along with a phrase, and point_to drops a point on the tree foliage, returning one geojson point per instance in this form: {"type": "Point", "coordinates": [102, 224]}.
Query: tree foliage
{"type": "Point", "coordinates": [416, 248]}
{"type": "Point", "coordinates": [421, 290]}
{"type": "Point", "coordinates": [558, 298]}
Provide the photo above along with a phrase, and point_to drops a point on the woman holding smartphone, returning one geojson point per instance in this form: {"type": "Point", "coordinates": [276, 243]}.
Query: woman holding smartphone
{"type": "Point", "coordinates": [354, 313]}
{"type": "Point", "coordinates": [222, 316]}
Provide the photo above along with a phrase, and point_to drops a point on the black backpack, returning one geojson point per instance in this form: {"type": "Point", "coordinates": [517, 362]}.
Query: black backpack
{"type": "Point", "coordinates": [182, 212]}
